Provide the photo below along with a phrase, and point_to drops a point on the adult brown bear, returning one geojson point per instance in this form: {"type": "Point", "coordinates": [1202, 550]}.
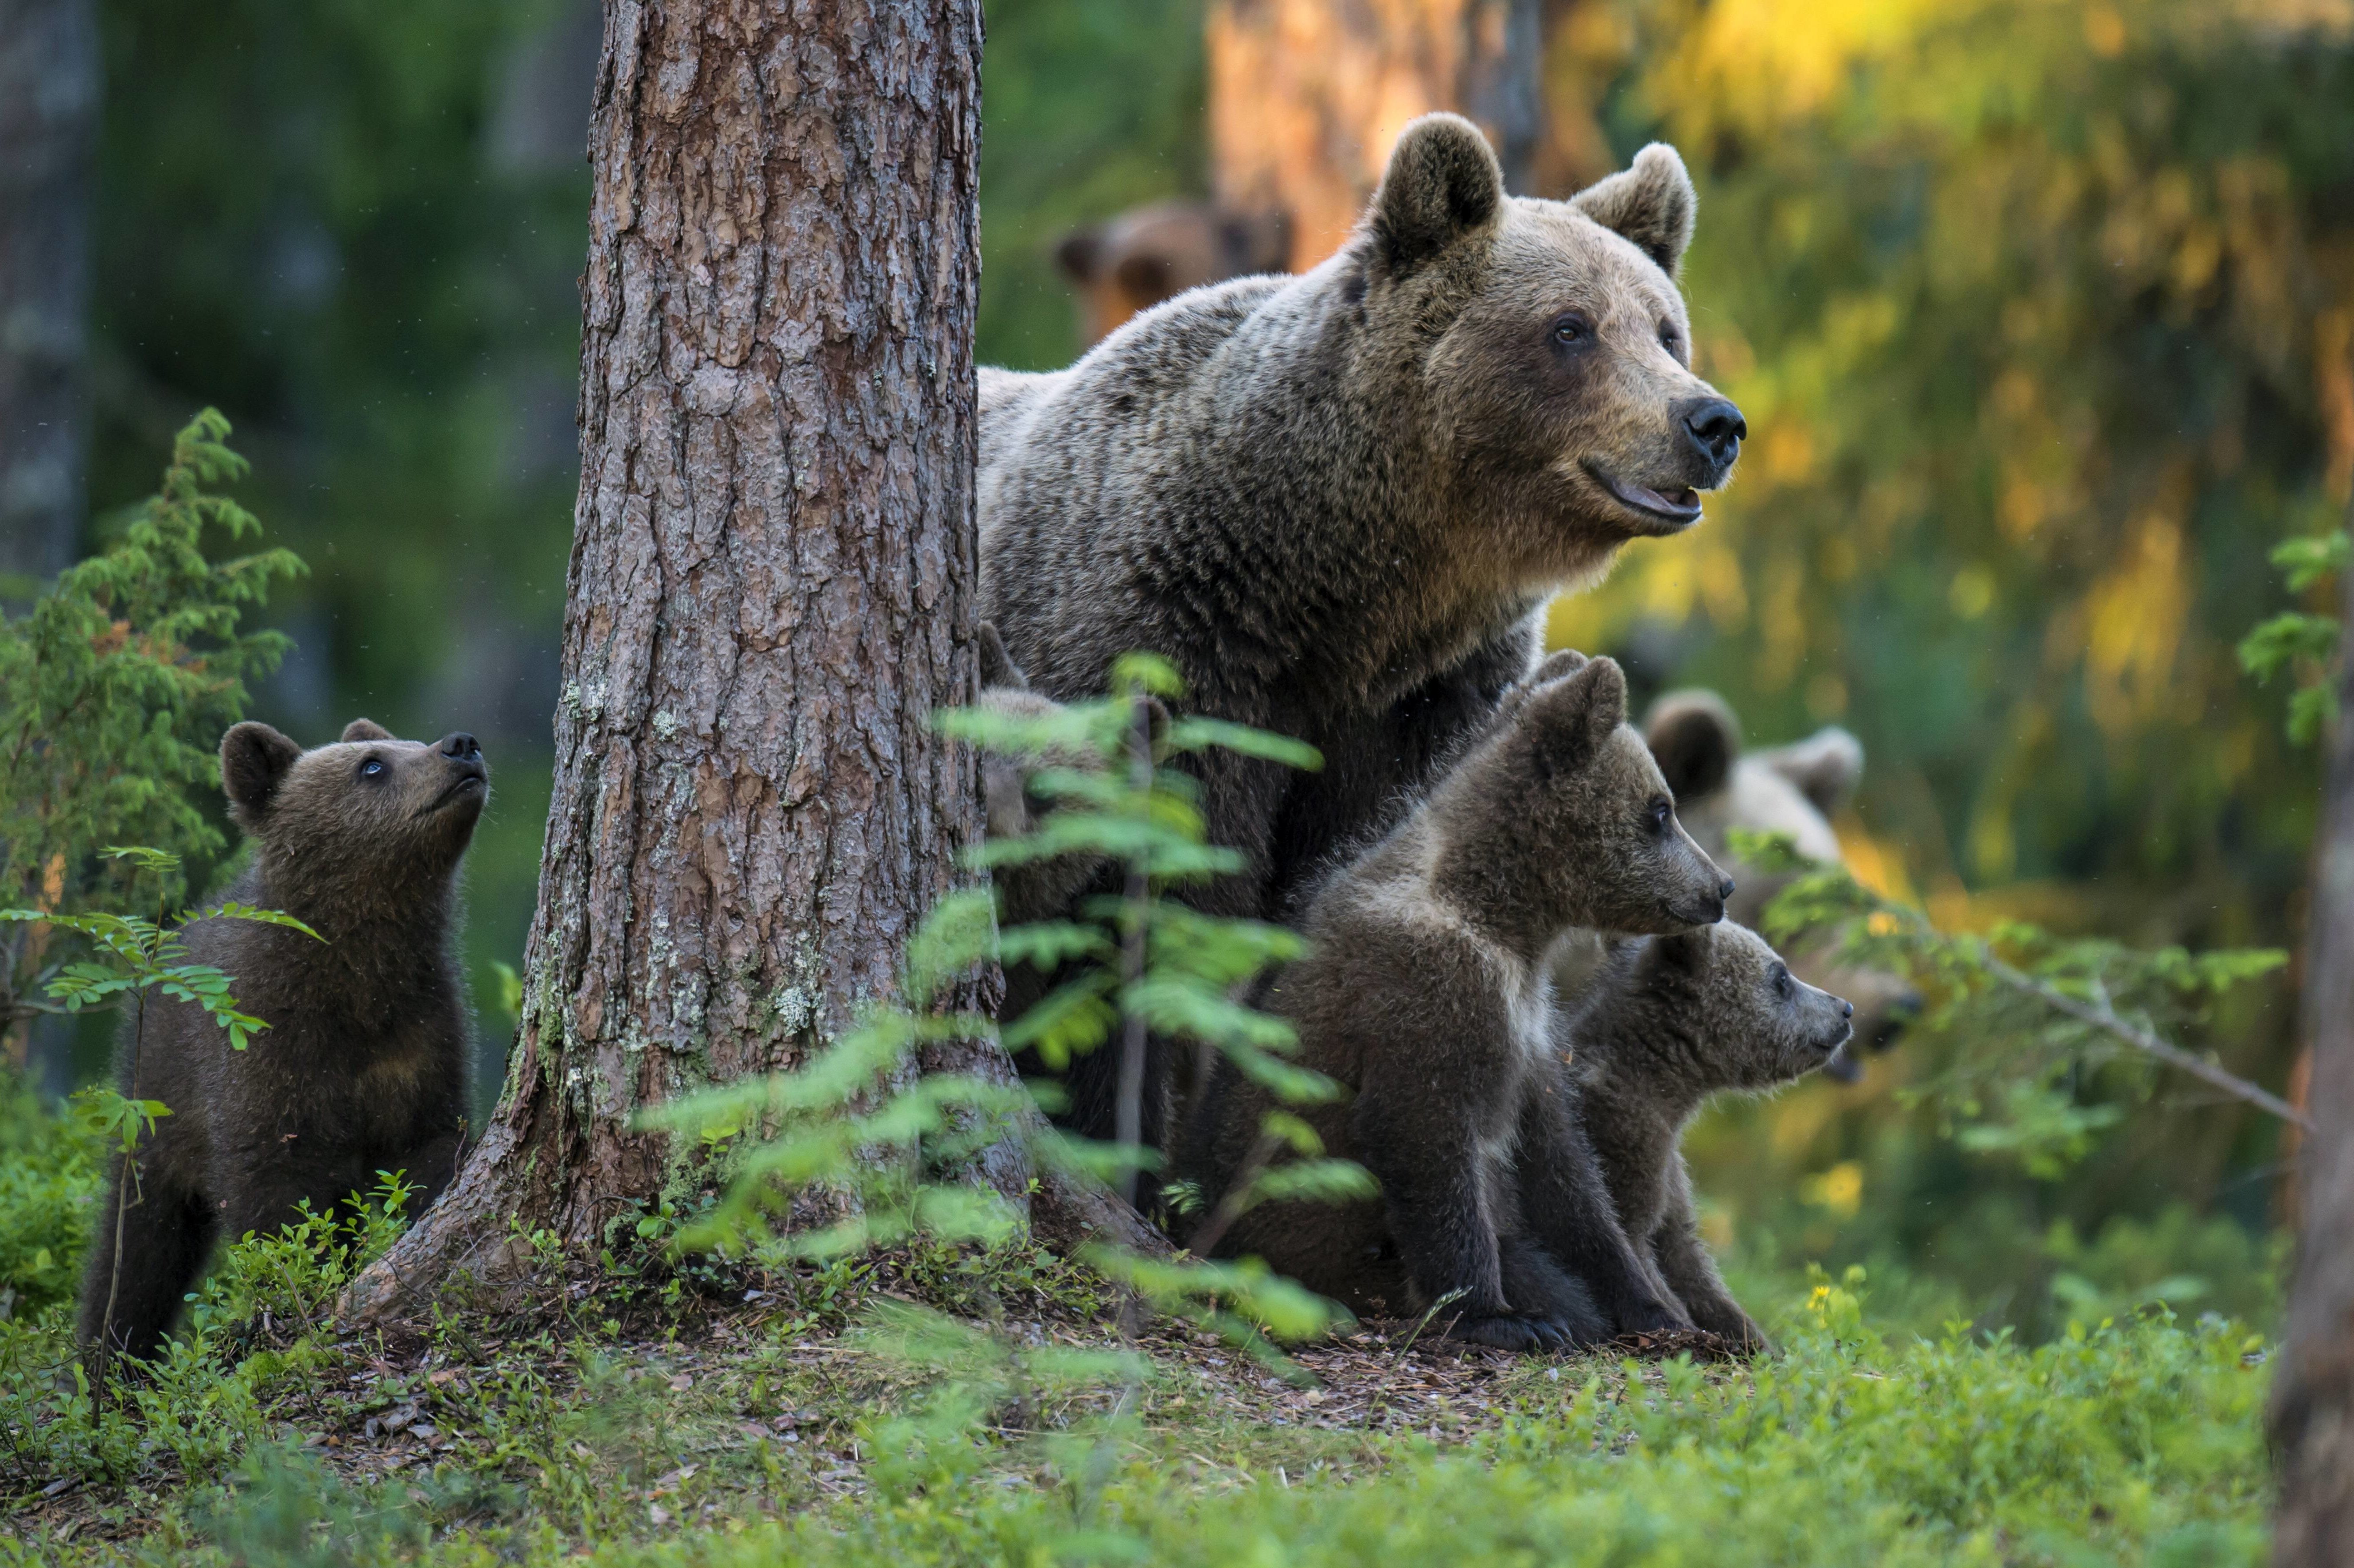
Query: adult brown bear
{"type": "Point", "coordinates": [1336, 500]}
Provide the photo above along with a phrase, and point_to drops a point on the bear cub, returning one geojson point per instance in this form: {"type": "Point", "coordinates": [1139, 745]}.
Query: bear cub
{"type": "Point", "coordinates": [1424, 994]}
{"type": "Point", "coordinates": [364, 1065]}
{"type": "Point", "coordinates": [1672, 1021]}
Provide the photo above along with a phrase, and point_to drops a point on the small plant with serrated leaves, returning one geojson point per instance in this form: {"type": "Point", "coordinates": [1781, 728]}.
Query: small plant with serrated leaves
{"type": "Point", "coordinates": [855, 1151]}
{"type": "Point", "coordinates": [2031, 1016]}
{"type": "Point", "coordinates": [132, 957]}
{"type": "Point", "coordinates": [115, 689]}
{"type": "Point", "coordinates": [2299, 642]}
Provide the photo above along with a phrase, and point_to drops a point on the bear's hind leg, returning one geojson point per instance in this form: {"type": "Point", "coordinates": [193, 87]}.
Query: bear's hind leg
{"type": "Point", "coordinates": [167, 1234]}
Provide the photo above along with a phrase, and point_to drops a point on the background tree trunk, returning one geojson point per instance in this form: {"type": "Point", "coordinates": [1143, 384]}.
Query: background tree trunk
{"type": "Point", "coordinates": [2312, 1389]}
{"type": "Point", "coordinates": [49, 125]}
{"type": "Point", "coordinates": [771, 590]}
{"type": "Point", "coordinates": [1307, 96]}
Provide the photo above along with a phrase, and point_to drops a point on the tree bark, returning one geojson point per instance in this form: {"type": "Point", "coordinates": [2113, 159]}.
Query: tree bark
{"type": "Point", "coordinates": [49, 124]}
{"type": "Point", "coordinates": [2312, 1415]}
{"type": "Point", "coordinates": [1307, 96]}
{"type": "Point", "coordinates": [770, 591]}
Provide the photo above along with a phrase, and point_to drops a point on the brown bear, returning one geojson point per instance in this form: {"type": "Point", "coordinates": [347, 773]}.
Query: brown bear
{"type": "Point", "coordinates": [1424, 994]}
{"type": "Point", "coordinates": [1132, 262]}
{"type": "Point", "coordinates": [1336, 501]}
{"type": "Point", "coordinates": [1794, 790]}
{"type": "Point", "coordinates": [363, 1067]}
{"type": "Point", "coordinates": [1672, 1021]}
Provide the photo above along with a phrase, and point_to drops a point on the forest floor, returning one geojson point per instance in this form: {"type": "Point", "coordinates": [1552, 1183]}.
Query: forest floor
{"type": "Point", "coordinates": [922, 1410]}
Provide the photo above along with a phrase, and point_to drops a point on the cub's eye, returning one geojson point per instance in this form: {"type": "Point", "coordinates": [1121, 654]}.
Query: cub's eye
{"type": "Point", "coordinates": [1784, 986]}
{"type": "Point", "coordinates": [371, 768]}
{"type": "Point", "coordinates": [1669, 336]}
{"type": "Point", "coordinates": [1661, 812]}
{"type": "Point", "coordinates": [1572, 328]}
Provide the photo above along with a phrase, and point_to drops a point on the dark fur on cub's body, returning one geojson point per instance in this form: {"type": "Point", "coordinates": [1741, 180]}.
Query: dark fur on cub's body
{"type": "Point", "coordinates": [1335, 501]}
{"type": "Point", "coordinates": [1672, 1021]}
{"type": "Point", "coordinates": [1424, 994]}
{"type": "Point", "coordinates": [364, 1065]}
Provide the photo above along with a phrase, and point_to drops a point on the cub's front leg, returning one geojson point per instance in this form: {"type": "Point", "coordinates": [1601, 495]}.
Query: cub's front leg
{"type": "Point", "coordinates": [1568, 1208]}
{"type": "Point", "coordinates": [1436, 1196]}
{"type": "Point", "coordinates": [1688, 1270]}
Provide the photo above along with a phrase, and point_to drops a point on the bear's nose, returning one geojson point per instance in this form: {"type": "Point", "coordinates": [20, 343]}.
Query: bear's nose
{"type": "Point", "coordinates": [1725, 888]}
{"type": "Point", "coordinates": [1716, 427]}
{"type": "Point", "coordinates": [459, 747]}
{"type": "Point", "coordinates": [1846, 1007]}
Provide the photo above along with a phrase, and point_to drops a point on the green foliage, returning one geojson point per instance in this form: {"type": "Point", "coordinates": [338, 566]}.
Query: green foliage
{"type": "Point", "coordinates": [2303, 642]}
{"type": "Point", "coordinates": [114, 690]}
{"type": "Point", "coordinates": [137, 955]}
{"type": "Point", "coordinates": [857, 1135]}
{"type": "Point", "coordinates": [252, 1331]}
{"type": "Point", "coordinates": [51, 1168]}
{"type": "Point", "coordinates": [2035, 1026]}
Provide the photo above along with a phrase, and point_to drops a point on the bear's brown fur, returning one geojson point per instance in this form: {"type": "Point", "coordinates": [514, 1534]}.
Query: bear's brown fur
{"type": "Point", "coordinates": [1147, 254]}
{"type": "Point", "coordinates": [1336, 501]}
{"type": "Point", "coordinates": [363, 1067]}
{"type": "Point", "coordinates": [1672, 1021]}
{"type": "Point", "coordinates": [1424, 995]}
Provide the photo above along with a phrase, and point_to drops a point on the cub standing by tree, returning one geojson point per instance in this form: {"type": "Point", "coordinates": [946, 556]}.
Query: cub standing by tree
{"type": "Point", "coordinates": [1336, 500]}
{"type": "Point", "coordinates": [1672, 1021]}
{"type": "Point", "coordinates": [1425, 994]}
{"type": "Point", "coordinates": [364, 1065]}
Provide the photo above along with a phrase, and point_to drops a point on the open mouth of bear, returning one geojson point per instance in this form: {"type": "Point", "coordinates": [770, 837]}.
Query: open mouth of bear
{"type": "Point", "coordinates": [1680, 504]}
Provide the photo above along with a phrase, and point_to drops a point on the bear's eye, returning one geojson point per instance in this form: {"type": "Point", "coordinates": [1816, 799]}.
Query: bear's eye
{"type": "Point", "coordinates": [1660, 811]}
{"type": "Point", "coordinates": [1784, 986]}
{"type": "Point", "coordinates": [1668, 336]}
{"type": "Point", "coordinates": [1572, 328]}
{"type": "Point", "coordinates": [371, 768]}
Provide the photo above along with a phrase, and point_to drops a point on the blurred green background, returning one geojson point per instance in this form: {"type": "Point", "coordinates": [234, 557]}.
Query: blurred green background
{"type": "Point", "coordinates": [2042, 314]}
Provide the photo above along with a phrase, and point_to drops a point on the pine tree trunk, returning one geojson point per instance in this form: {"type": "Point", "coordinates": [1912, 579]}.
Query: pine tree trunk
{"type": "Point", "coordinates": [2312, 1389]}
{"type": "Point", "coordinates": [1307, 96]}
{"type": "Point", "coordinates": [770, 592]}
{"type": "Point", "coordinates": [49, 125]}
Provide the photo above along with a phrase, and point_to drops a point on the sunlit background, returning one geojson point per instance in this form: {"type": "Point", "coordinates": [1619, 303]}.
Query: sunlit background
{"type": "Point", "coordinates": [2042, 315]}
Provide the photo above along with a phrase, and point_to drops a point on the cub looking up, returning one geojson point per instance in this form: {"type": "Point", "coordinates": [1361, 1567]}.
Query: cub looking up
{"type": "Point", "coordinates": [1424, 994]}
{"type": "Point", "coordinates": [364, 1065]}
{"type": "Point", "coordinates": [1672, 1021]}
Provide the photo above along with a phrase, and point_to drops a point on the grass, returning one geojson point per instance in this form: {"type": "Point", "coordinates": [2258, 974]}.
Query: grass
{"type": "Point", "coordinates": [618, 1417]}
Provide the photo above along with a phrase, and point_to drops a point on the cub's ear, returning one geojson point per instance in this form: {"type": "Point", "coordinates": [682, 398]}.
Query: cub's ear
{"type": "Point", "coordinates": [997, 666]}
{"type": "Point", "coordinates": [366, 729]}
{"type": "Point", "coordinates": [1826, 767]}
{"type": "Point", "coordinates": [254, 759]}
{"type": "Point", "coordinates": [1650, 202]}
{"type": "Point", "coordinates": [1442, 183]}
{"type": "Point", "coordinates": [1695, 739]}
{"type": "Point", "coordinates": [1573, 717]}
{"type": "Point", "coordinates": [1685, 953]}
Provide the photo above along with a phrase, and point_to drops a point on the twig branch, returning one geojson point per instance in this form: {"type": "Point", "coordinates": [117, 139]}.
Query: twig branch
{"type": "Point", "coordinates": [2101, 1016]}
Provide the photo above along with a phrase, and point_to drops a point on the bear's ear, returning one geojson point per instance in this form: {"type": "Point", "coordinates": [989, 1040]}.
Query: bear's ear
{"type": "Point", "coordinates": [1650, 202]}
{"type": "Point", "coordinates": [1443, 182]}
{"type": "Point", "coordinates": [1826, 767]}
{"type": "Point", "coordinates": [1684, 953]}
{"type": "Point", "coordinates": [997, 666]}
{"type": "Point", "coordinates": [1695, 739]}
{"type": "Point", "coordinates": [1081, 253]}
{"type": "Point", "coordinates": [1573, 717]}
{"type": "Point", "coordinates": [366, 729]}
{"type": "Point", "coordinates": [254, 759]}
